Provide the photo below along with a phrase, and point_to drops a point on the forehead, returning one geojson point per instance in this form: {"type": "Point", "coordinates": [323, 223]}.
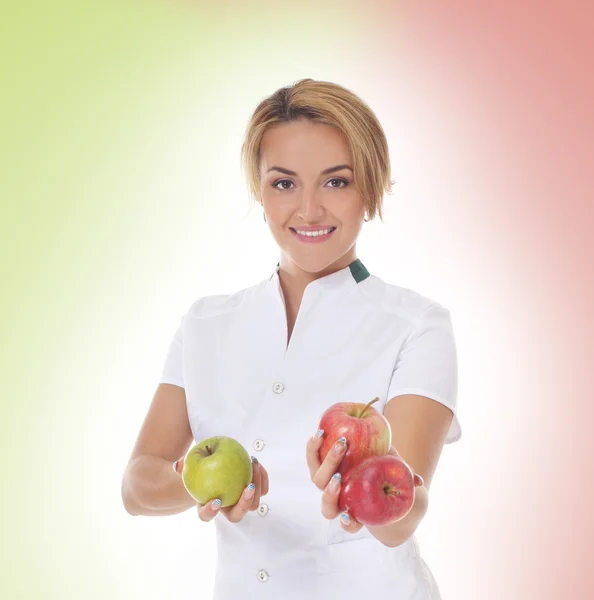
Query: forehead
{"type": "Point", "coordinates": [303, 142]}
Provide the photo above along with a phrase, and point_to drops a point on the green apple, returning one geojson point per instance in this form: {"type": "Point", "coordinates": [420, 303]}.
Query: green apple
{"type": "Point", "coordinates": [217, 467]}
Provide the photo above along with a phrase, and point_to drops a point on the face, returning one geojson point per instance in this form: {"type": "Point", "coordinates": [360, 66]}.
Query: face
{"type": "Point", "coordinates": [301, 189]}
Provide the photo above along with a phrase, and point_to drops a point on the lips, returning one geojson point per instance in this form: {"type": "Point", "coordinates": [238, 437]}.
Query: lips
{"type": "Point", "coordinates": [313, 228]}
{"type": "Point", "coordinates": [312, 239]}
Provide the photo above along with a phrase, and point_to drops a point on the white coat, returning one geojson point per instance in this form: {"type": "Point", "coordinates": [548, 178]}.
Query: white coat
{"type": "Point", "coordinates": [355, 338]}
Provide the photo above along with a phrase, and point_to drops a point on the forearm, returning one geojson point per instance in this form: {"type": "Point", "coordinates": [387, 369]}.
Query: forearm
{"type": "Point", "coordinates": [151, 487]}
{"type": "Point", "coordinates": [397, 533]}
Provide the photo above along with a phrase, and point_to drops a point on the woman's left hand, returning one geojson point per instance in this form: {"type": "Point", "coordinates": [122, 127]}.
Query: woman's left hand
{"type": "Point", "coordinates": [325, 476]}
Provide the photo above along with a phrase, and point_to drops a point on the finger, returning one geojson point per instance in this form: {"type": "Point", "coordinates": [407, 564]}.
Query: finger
{"type": "Point", "coordinates": [330, 464]}
{"type": "Point", "coordinates": [257, 481]}
{"type": "Point", "coordinates": [418, 480]}
{"type": "Point", "coordinates": [236, 512]}
{"type": "Point", "coordinates": [207, 512]}
{"type": "Point", "coordinates": [330, 496]}
{"type": "Point", "coordinates": [264, 473]}
{"type": "Point", "coordinates": [349, 524]}
{"type": "Point", "coordinates": [311, 452]}
{"type": "Point", "coordinates": [178, 465]}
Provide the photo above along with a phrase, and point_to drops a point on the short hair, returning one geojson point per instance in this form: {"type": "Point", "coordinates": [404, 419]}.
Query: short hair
{"type": "Point", "coordinates": [330, 104]}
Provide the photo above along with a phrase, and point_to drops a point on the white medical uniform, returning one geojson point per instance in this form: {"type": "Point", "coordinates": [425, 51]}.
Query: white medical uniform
{"type": "Point", "coordinates": [355, 338]}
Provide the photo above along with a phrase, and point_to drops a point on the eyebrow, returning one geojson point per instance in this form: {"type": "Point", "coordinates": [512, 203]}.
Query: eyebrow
{"type": "Point", "coordinates": [324, 172]}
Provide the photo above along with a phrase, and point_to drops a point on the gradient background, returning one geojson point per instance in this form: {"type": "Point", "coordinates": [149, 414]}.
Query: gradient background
{"type": "Point", "coordinates": [122, 201]}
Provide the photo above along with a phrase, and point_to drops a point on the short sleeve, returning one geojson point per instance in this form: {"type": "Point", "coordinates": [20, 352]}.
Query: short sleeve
{"type": "Point", "coordinates": [172, 371]}
{"type": "Point", "coordinates": [427, 364]}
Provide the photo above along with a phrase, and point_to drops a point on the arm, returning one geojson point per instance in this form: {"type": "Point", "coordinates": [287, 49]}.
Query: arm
{"type": "Point", "coordinates": [419, 429]}
{"type": "Point", "coordinates": [150, 486]}
{"type": "Point", "coordinates": [423, 392]}
{"type": "Point", "coordinates": [426, 370]}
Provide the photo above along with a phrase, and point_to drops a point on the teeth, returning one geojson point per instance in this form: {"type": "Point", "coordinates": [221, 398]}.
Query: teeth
{"type": "Point", "coordinates": [314, 233]}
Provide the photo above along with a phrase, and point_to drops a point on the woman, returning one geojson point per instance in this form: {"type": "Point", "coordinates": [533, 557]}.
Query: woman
{"type": "Point", "coordinates": [262, 365]}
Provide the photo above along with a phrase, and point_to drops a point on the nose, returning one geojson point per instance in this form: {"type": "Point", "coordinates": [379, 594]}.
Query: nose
{"type": "Point", "coordinates": [311, 207]}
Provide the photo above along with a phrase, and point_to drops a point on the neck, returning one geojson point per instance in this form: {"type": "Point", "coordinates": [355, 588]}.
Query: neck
{"type": "Point", "coordinates": [294, 277]}
{"type": "Point", "coordinates": [293, 280]}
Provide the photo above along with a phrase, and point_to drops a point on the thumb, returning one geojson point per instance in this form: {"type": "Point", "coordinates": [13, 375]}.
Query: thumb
{"type": "Point", "coordinates": [418, 480]}
{"type": "Point", "coordinates": [178, 465]}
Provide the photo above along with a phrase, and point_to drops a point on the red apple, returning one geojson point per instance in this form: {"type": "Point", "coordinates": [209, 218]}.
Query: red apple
{"type": "Point", "coordinates": [366, 430]}
{"type": "Point", "coordinates": [379, 491]}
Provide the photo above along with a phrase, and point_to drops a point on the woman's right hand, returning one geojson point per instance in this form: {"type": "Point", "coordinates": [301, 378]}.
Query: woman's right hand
{"type": "Point", "coordinates": [249, 499]}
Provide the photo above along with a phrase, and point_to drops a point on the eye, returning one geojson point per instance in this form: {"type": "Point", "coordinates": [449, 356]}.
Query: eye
{"type": "Point", "coordinates": [275, 184]}
{"type": "Point", "coordinates": [334, 179]}
{"type": "Point", "coordinates": [341, 181]}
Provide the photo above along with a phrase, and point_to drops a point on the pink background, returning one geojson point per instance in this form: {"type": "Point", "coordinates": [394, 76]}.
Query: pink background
{"type": "Point", "coordinates": [512, 85]}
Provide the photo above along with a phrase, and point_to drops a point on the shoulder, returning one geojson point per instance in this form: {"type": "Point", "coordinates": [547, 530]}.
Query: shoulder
{"type": "Point", "coordinates": [214, 305]}
{"type": "Point", "coordinates": [398, 301]}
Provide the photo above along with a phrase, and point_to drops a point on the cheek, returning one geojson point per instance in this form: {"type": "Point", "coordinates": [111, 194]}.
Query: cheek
{"type": "Point", "coordinates": [348, 205]}
{"type": "Point", "coordinates": [277, 211]}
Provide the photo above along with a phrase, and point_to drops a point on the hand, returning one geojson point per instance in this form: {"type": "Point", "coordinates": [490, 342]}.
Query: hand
{"type": "Point", "coordinates": [326, 478]}
{"type": "Point", "coordinates": [249, 499]}
{"type": "Point", "coordinates": [322, 476]}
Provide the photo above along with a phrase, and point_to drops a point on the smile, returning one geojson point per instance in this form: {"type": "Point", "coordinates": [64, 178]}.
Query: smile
{"type": "Point", "coordinates": [313, 236]}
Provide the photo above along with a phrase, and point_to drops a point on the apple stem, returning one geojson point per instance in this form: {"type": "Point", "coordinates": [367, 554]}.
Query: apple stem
{"type": "Point", "coordinates": [367, 406]}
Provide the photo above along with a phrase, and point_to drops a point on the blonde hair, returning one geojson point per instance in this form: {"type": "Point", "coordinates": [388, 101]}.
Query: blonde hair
{"type": "Point", "coordinates": [331, 104]}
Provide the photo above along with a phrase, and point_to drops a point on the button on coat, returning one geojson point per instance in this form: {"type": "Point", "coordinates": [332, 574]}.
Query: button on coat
{"type": "Point", "coordinates": [262, 575]}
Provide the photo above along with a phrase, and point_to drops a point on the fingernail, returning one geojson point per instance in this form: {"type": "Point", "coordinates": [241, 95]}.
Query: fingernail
{"type": "Point", "coordinates": [175, 465]}
{"type": "Point", "coordinates": [254, 460]}
{"type": "Point", "coordinates": [344, 517]}
{"type": "Point", "coordinates": [336, 478]}
{"type": "Point", "coordinates": [340, 445]}
{"type": "Point", "coordinates": [319, 433]}
{"type": "Point", "coordinates": [251, 488]}
{"type": "Point", "coordinates": [216, 504]}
